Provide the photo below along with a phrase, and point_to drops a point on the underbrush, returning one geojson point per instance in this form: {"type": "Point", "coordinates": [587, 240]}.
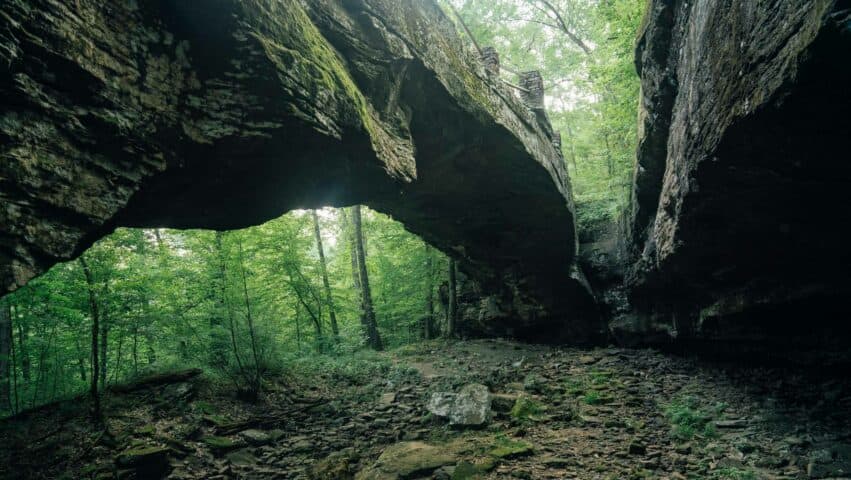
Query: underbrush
{"type": "Point", "coordinates": [357, 369]}
{"type": "Point", "coordinates": [689, 419]}
{"type": "Point", "coordinates": [732, 473]}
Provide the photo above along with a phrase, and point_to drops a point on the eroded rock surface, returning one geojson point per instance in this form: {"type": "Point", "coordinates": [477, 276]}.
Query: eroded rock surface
{"type": "Point", "coordinates": [742, 176]}
{"type": "Point", "coordinates": [228, 113]}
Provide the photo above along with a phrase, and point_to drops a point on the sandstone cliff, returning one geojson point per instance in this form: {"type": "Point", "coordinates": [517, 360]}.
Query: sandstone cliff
{"type": "Point", "coordinates": [742, 176]}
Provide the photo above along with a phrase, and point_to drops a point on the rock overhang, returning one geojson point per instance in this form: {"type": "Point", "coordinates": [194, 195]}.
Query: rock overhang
{"type": "Point", "coordinates": [223, 116]}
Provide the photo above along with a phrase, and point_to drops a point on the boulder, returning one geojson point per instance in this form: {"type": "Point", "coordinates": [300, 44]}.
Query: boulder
{"type": "Point", "coordinates": [408, 460]}
{"type": "Point", "coordinates": [504, 447]}
{"type": "Point", "coordinates": [471, 406]}
{"type": "Point", "coordinates": [146, 462]}
{"type": "Point", "coordinates": [241, 458]}
{"type": "Point", "coordinates": [222, 445]}
{"type": "Point", "coordinates": [255, 437]}
{"type": "Point", "coordinates": [337, 466]}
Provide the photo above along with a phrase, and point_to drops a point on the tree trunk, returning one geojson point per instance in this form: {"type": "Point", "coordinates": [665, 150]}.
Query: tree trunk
{"type": "Point", "coordinates": [610, 163]}
{"type": "Point", "coordinates": [117, 366]}
{"type": "Point", "coordinates": [159, 238]}
{"type": "Point", "coordinates": [152, 354]}
{"type": "Point", "coordinates": [298, 326]}
{"type": "Point", "coordinates": [297, 286]}
{"type": "Point", "coordinates": [452, 316]}
{"type": "Point", "coordinates": [368, 313]}
{"type": "Point", "coordinates": [146, 317]}
{"type": "Point", "coordinates": [329, 299]}
{"type": "Point", "coordinates": [135, 349]}
{"type": "Point", "coordinates": [104, 333]}
{"type": "Point", "coordinates": [572, 147]}
{"type": "Point", "coordinates": [58, 372]}
{"type": "Point", "coordinates": [252, 334]}
{"type": "Point", "coordinates": [81, 359]}
{"type": "Point", "coordinates": [23, 350]}
{"type": "Point", "coordinates": [5, 355]}
{"type": "Point", "coordinates": [350, 234]}
{"type": "Point", "coordinates": [218, 341]}
{"type": "Point", "coordinates": [223, 292]}
{"type": "Point", "coordinates": [93, 307]}
{"type": "Point", "coordinates": [43, 371]}
{"type": "Point", "coordinates": [16, 405]}
{"type": "Point", "coordinates": [428, 324]}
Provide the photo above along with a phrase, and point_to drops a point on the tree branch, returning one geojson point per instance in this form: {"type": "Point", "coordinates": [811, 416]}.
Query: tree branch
{"type": "Point", "coordinates": [556, 15]}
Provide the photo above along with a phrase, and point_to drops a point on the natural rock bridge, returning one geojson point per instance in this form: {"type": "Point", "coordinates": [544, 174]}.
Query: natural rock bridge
{"type": "Point", "coordinates": [223, 114]}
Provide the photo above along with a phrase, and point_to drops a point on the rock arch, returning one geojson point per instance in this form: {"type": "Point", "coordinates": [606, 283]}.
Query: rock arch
{"type": "Point", "coordinates": [228, 113]}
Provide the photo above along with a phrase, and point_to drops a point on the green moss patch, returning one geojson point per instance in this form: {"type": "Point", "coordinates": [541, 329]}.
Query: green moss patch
{"type": "Point", "coordinates": [528, 409]}
{"type": "Point", "coordinates": [221, 443]}
{"type": "Point", "coordinates": [504, 447]}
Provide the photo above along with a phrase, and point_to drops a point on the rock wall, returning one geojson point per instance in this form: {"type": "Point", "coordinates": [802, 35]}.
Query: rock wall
{"type": "Point", "coordinates": [226, 113]}
{"type": "Point", "coordinates": [742, 178]}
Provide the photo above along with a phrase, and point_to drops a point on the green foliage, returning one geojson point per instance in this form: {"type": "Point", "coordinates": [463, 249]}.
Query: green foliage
{"type": "Point", "coordinates": [574, 387]}
{"type": "Point", "coordinates": [592, 398]}
{"type": "Point", "coordinates": [688, 419]}
{"type": "Point", "coordinates": [244, 304]}
{"type": "Point", "coordinates": [360, 368]}
{"type": "Point", "coordinates": [601, 377]}
{"type": "Point", "coordinates": [592, 97]}
{"type": "Point", "coordinates": [732, 473]}
{"type": "Point", "coordinates": [219, 443]}
{"type": "Point", "coordinates": [527, 409]}
{"type": "Point", "coordinates": [505, 447]}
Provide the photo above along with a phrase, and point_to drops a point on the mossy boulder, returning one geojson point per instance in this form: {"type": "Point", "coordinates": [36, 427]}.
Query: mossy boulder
{"type": "Point", "coordinates": [337, 466]}
{"type": "Point", "coordinates": [241, 457]}
{"type": "Point", "coordinates": [467, 470]}
{"type": "Point", "coordinates": [145, 430]}
{"type": "Point", "coordinates": [505, 447]}
{"type": "Point", "coordinates": [217, 420]}
{"type": "Point", "coordinates": [222, 444]}
{"type": "Point", "coordinates": [408, 460]}
{"type": "Point", "coordinates": [147, 462]}
{"type": "Point", "coordinates": [527, 409]}
{"type": "Point", "coordinates": [255, 437]}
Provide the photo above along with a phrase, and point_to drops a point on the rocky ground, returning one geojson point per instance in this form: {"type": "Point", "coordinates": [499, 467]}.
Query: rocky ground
{"type": "Point", "coordinates": [481, 409]}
